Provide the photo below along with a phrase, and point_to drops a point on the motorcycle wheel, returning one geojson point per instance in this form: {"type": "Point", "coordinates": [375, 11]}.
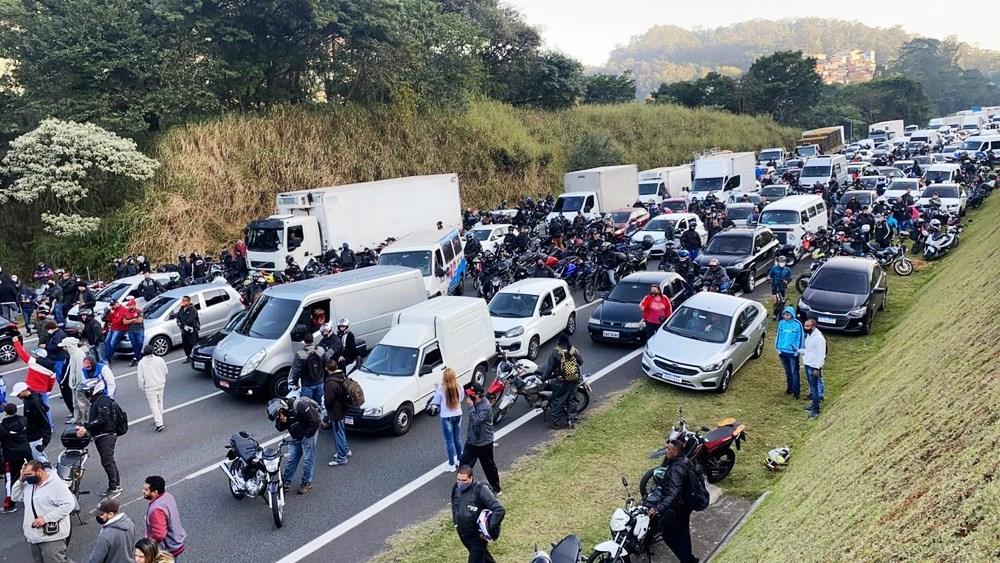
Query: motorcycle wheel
{"type": "Point", "coordinates": [644, 483]}
{"type": "Point", "coordinates": [589, 292]}
{"type": "Point", "coordinates": [605, 557]}
{"type": "Point", "coordinates": [802, 282]}
{"type": "Point", "coordinates": [903, 266]}
{"type": "Point", "coordinates": [718, 467]}
{"type": "Point", "coordinates": [582, 399]}
{"type": "Point", "coordinates": [277, 510]}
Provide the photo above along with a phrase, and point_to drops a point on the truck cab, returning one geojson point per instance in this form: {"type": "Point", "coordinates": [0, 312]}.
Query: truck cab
{"type": "Point", "coordinates": [807, 151]}
{"type": "Point", "coordinates": [569, 204]}
{"type": "Point", "coordinates": [270, 240]}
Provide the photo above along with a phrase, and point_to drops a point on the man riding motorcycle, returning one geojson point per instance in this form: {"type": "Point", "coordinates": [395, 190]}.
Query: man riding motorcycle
{"type": "Point", "coordinates": [715, 277]}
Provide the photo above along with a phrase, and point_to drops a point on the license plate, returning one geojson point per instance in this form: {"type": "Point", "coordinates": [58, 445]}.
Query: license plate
{"type": "Point", "coordinates": [827, 320]}
{"type": "Point", "coordinates": [610, 334]}
{"type": "Point", "coordinates": [223, 383]}
{"type": "Point", "coordinates": [669, 377]}
{"type": "Point", "coordinates": [198, 365]}
{"type": "Point", "coordinates": [349, 420]}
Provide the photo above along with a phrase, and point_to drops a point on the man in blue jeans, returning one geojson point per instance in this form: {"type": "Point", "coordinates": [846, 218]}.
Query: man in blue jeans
{"type": "Point", "coordinates": [789, 340]}
{"type": "Point", "coordinates": [813, 358]}
{"type": "Point", "coordinates": [335, 396]}
{"type": "Point", "coordinates": [300, 418]}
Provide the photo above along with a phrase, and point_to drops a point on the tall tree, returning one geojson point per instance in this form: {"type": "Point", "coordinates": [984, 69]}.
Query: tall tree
{"type": "Point", "coordinates": [784, 85]}
{"type": "Point", "coordinates": [934, 64]}
{"type": "Point", "coordinates": [609, 88]}
{"type": "Point", "coordinates": [553, 81]}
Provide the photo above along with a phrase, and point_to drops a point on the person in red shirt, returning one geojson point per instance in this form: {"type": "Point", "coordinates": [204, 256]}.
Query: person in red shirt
{"type": "Point", "coordinates": [656, 309]}
{"type": "Point", "coordinates": [117, 330]}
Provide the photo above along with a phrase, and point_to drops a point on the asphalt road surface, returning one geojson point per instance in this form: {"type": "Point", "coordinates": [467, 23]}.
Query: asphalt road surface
{"type": "Point", "coordinates": [389, 484]}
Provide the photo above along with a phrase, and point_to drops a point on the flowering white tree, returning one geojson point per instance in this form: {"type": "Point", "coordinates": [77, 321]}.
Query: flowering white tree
{"type": "Point", "coordinates": [59, 164]}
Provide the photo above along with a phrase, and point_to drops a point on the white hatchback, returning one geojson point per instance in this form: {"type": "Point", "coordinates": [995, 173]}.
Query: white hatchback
{"type": "Point", "coordinates": [530, 312]}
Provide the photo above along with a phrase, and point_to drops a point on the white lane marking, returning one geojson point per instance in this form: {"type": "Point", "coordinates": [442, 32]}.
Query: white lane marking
{"type": "Point", "coordinates": [585, 305]}
{"type": "Point", "coordinates": [175, 407]}
{"type": "Point", "coordinates": [412, 486]}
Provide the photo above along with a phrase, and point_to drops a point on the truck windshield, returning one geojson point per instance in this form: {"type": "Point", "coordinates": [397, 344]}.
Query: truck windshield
{"type": "Point", "coordinates": [779, 217]}
{"type": "Point", "coordinates": [648, 188]}
{"type": "Point", "coordinates": [568, 203]}
{"type": "Point", "coordinates": [805, 151]}
{"type": "Point", "coordinates": [767, 156]}
{"type": "Point", "coordinates": [268, 318]}
{"type": "Point", "coordinates": [395, 361]}
{"type": "Point", "coordinates": [816, 172]}
{"type": "Point", "coordinates": [262, 239]}
{"type": "Point", "coordinates": [419, 259]}
{"type": "Point", "coordinates": [707, 184]}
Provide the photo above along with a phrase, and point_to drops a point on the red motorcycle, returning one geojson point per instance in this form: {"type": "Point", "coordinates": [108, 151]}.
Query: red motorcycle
{"type": "Point", "coordinates": [712, 452]}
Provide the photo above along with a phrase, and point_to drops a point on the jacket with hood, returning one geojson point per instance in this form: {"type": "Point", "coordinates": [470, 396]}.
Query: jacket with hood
{"type": "Point", "coordinates": [790, 336]}
{"type": "Point", "coordinates": [101, 419]}
{"type": "Point", "coordinates": [114, 543]}
{"type": "Point", "coordinates": [102, 371]}
{"type": "Point", "coordinates": [14, 434]}
{"type": "Point", "coordinates": [38, 421]}
{"type": "Point", "coordinates": [673, 485]}
{"type": "Point", "coordinates": [467, 501]}
{"type": "Point", "coordinates": [55, 352]}
{"type": "Point", "coordinates": [151, 373]}
{"type": "Point", "coordinates": [307, 372]}
{"type": "Point", "coordinates": [303, 421]}
{"type": "Point", "coordinates": [51, 500]}
{"type": "Point", "coordinates": [480, 420]}
{"type": "Point", "coordinates": [39, 378]}
{"type": "Point", "coordinates": [74, 371]}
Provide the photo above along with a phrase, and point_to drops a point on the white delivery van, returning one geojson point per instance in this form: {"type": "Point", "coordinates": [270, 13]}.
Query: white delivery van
{"type": "Point", "coordinates": [726, 175]}
{"type": "Point", "coordinates": [925, 136]}
{"type": "Point", "coordinates": [255, 357]}
{"type": "Point", "coordinates": [437, 254]}
{"type": "Point", "coordinates": [597, 190]}
{"type": "Point", "coordinates": [659, 184]}
{"type": "Point", "coordinates": [822, 169]}
{"type": "Point", "coordinates": [790, 218]}
{"type": "Point", "coordinates": [885, 130]}
{"type": "Point", "coordinates": [401, 372]}
{"type": "Point", "coordinates": [942, 173]}
{"type": "Point", "coordinates": [981, 143]}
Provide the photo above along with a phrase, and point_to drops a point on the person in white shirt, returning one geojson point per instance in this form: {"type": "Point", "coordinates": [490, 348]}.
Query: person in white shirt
{"type": "Point", "coordinates": [448, 400]}
{"type": "Point", "coordinates": [813, 357]}
{"type": "Point", "coordinates": [48, 503]}
{"type": "Point", "coordinates": [151, 374]}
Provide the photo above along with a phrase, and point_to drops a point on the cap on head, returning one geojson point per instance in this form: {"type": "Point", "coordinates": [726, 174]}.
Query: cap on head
{"type": "Point", "coordinates": [19, 387]}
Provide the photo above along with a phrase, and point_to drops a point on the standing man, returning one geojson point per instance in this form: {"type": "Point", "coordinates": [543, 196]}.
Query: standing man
{"type": "Point", "coordinates": [813, 358]}
{"type": "Point", "coordinates": [479, 437]}
{"type": "Point", "coordinates": [151, 375]}
{"type": "Point", "coordinates": [117, 329]}
{"type": "Point", "coordinates": [190, 324]}
{"type": "Point", "coordinates": [348, 344]}
{"type": "Point", "coordinates": [92, 333]}
{"type": "Point", "coordinates": [14, 447]}
{"type": "Point", "coordinates": [691, 240]}
{"type": "Point", "coordinates": [675, 516]}
{"type": "Point", "coordinates": [136, 329]}
{"type": "Point", "coordinates": [469, 501]}
{"type": "Point", "coordinates": [563, 369]}
{"type": "Point", "coordinates": [335, 396]}
{"type": "Point", "coordinates": [163, 519]}
{"type": "Point", "coordinates": [115, 541]}
{"type": "Point", "coordinates": [788, 341]}
{"type": "Point", "coordinates": [26, 299]}
{"type": "Point", "coordinates": [307, 371]}
{"type": "Point", "coordinates": [301, 419]}
{"type": "Point", "coordinates": [101, 425]}
{"type": "Point", "coordinates": [47, 506]}
{"type": "Point", "coordinates": [39, 428]}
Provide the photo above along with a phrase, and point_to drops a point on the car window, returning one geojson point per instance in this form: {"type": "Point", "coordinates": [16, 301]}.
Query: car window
{"type": "Point", "coordinates": [439, 259]}
{"type": "Point", "coordinates": [764, 238]}
{"type": "Point", "coordinates": [560, 295]}
{"type": "Point", "coordinates": [752, 313]}
{"type": "Point", "coordinates": [456, 245]}
{"type": "Point", "coordinates": [805, 217]}
{"type": "Point", "coordinates": [215, 297]}
{"type": "Point", "coordinates": [733, 183]}
{"type": "Point", "coordinates": [449, 252]}
{"type": "Point", "coordinates": [432, 356]}
{"type": "Point", "coordinates": [741, 322]}
{"type": "Point", "coordinates": [676, 288]}
{"type": "Point", "coordinates": [682, 225]}
{"type": "Point", "coordinates": [546, 303]}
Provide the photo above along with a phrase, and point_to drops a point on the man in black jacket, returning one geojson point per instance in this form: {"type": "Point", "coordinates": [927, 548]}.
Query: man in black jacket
{"type": "Point", "coordinates": [563, 405]}
{"type": "Point", "coordinates": [301, 419]}
{"type": "Point", "coordinates": [675, 516]}
{"type": "Point", "coordinates": [101, 425]}
{"type": "Point", "coordinates": [92, 332]}
{"type": "Point", "coordinates": [84, 296]}
{"type": "Point", "coordinates": [149, 287]}
{"type": "Point", "coordinates": [469, 499]}
{"type": "Point", "coordinates": [39, 429]}
{"type": "Point", "coordinates": [190, 324]}
{"type": "Point", "coordinates": [349, 346]}
{"type": "Point", "coordinates": [479, 436]}
{"type": "Point", "coordinates": [13, 442]}
{"type": "Point", "coordinates": [691, 240]}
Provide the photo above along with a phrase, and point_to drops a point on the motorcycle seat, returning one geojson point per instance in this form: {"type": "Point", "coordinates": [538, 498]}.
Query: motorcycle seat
{"type": "Point", "coordinates": [721, 433]}
{"type": "Point", "coordinates": [72, 458]}
{"type": "Point", "coordinates": [244, 446]}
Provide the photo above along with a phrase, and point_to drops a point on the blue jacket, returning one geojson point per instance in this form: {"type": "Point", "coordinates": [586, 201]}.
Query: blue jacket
{"type": "Point", "coordinates": [779, 274]}
{"type": "Point", "coordinates": [790, 334]}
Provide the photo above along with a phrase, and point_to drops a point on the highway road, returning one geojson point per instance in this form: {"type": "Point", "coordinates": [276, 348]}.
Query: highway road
{"type": "Point", "coordinates": [389, 484]}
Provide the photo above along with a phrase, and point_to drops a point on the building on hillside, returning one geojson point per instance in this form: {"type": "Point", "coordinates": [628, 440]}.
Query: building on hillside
{"type": "Point", "coordinates": [846, 67]}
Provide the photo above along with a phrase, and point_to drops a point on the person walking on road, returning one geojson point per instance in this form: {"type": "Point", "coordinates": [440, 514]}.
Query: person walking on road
{"type": "Point", "coordinates": [14, 449]}
{"type": "Point", "coordinates": [48, 503]}
{"type": "Point", "coordinates": [146, 551]}
{"type": "Point", "coordinates": [479, 436]}
{"type": "Point", "coordinates": [117, 536]}
{"type": "Point", "coordinates": [336, 398]}
{"type": "Point", "coordinates": [301, 419]}
{"type": "Point", "coordinates": [190, 324]}
{"type": "Point", "coordinates": [788, 341]}
{"type": "Point", "coordinates": [563, 371]}
{"type": "Point", "coordinates": [39, 378]}
{"type": "Point", "coordinates": [813, 358]}
{"type": "Point", "coordinates": [39, 427]}
{"type": "Point", "coordinates": [151, 375]}
{"type": "Point", "coordinates": [101, 425]}
{"type": "Point", "coordinates": [675, 516]}
{"type": "Point", "coordinates": [448, 400]}
{"type": "Point", "coordinates": [655, 309]}
{"type": "Point", "coordinates": [163, 518]}
{"type": "Point", "coordinates": [476, 514]}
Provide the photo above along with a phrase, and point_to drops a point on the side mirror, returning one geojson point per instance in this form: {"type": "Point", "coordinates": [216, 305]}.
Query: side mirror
{"type": "Point", "coordinates": [546, 312]}
{"type": "Point", "coordinates": [425, 370]}
{"type": "Point", "coordinates": [624, 481]}
{"type": "Point", "coordinates": [741, 338]}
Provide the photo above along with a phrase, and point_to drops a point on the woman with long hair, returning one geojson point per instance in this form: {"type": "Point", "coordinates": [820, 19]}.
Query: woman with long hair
{"type": "Point", "coordinates": [146, 551]}
{"type": "Point", "coordinates": [448, 399]}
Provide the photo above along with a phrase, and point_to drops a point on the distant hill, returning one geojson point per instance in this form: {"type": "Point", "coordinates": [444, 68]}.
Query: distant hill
{"type": "Point", "coordinates": [667, 53]}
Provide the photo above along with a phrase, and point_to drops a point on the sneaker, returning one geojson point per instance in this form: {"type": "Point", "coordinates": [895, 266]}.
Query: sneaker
{"type": "Point", "coordinates": [498, 493]}
{"type": "Point", "coordinates": [133, 363]}
{"type": "Point", "coordinates": [286, 487]}
{"type": "Point", "coordinates": [186, 361]}
{"type": "Point", "coordinates": [337, 461]}
{"type": "Point", "coordinates": [349, 453]}
{"type": "Point", "coordinates": [10, 510]}
{"type": "Point", "coordinates": [70, 419]}
{"type": "Point", "coordinates": [113, 492]}
{"type": "Point", "coordinates": [304, 488]}
{"type": "Point", "coordinates": [451, 468]}
{"type": "Point", "coordinates": [160, 428]}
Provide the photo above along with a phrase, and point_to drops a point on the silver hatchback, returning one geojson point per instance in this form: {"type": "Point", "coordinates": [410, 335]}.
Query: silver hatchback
{"type": "Point", "coordinates": [705, 341]}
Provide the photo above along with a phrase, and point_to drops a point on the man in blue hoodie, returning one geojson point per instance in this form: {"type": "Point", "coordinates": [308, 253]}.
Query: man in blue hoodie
{"type": "Point", "coordinates": [789, 340]}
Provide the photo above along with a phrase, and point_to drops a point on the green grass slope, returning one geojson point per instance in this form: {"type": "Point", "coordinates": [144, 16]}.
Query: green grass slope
{"type": "Point", "coordinates": [219, 174]}
{"type": "Point", "coordinates": [904, 467]}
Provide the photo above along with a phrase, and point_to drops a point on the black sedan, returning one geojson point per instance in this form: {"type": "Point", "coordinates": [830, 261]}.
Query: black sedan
{"type": "Point", "coordinates": [201, 354]}
{"type": "Point", "coordinates": [8, 331]}
{"type": "Point", "coordinates": [618, 318]}
{"type": "Point", "coordinates": [844, 294]}
{"type": "Point", "coordinates": [747, 254]}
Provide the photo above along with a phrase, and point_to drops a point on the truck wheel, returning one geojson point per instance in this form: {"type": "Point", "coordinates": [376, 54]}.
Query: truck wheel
{"type": "Point", "coordinates": [403, 419]}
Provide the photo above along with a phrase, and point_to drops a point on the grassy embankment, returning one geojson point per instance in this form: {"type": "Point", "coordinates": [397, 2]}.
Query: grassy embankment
{"type": "Point", "coordinates": [905, 408]}
{"type": "Point", "coordinates": [218, 175]}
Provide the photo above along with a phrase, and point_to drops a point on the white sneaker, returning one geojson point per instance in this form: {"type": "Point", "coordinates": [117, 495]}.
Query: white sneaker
{"type": "Point", "coordinates": [452, 468]}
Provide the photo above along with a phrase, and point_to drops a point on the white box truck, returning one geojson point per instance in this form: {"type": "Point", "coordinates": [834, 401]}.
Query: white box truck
{"type": "Point", "coordinates": [597, 190]}
{"type": "Point", "coordinates": [658, 184]}
{"type": "Point", "coordinates": [885, 130]}
{"type": "Point", "coordinates": [727, 175]}
{"type": "Point", "coordinates": [973, 122]}
{"type": "Point", "coordinates": [309, 222]}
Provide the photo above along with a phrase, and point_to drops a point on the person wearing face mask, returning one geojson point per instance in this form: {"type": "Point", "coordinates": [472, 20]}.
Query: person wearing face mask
{"type": "Point", "coordinates": [882, 232]}
{"type": "Point", "coordinates": [117, 536]}
{"type": "Point", "coordinates": [788, 341]}
{"type": "Point", "coordinates": [655, 309]}
{"type": "Point", "coordinates": [48, 503]}
{"type": "Point", "coordinates": [813, 358]}
{"type": "Point", "coordinates": [476, 514]}
{"type": "Point", "coordinates": [13, 447]}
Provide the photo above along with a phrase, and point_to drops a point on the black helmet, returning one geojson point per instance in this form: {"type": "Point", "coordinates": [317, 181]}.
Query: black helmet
{"type": "Point", "coordinates": [289, 259]}
{"type": "Point", "coordinates": [275, 406]}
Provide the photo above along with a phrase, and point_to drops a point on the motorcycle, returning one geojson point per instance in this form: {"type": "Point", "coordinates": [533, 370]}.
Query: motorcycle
{"type": "Point", "coordinates": [939, 243]}
{"type": "Point", "coordinates": [256, 471]}
{"type": "Point", "coordinates": [712, 452]}
{"type": "Point", "coordinates": [568, 550]}
{"type": "Point", "coordinates": [632, 532]}
{"type": "Point", "coordinates": [894, 256]}
{"type": "Point", "coordinates": [521, 379]}
{"type": "Point", "coordinates": [70, 466]}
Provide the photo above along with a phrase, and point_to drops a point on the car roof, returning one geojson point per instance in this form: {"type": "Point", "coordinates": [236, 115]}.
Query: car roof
{"type": "Point", "coordinates": [158, 276]}
{"type": "Point", "coordinates": [491, 227]}
{"type": "Point", "coordinates": [533, 286]}
{"type": "Point", "coordinates": [850, 263]}
{"type": "Point", "coordinates": [742, 231]}
{"type": "Point", "coordinates": [650, 277]}
{"type": "Point", "coordinates": [179, 292]}
{"type": "Point", "coordinates": [681, 215]}
{"type": "Point", "coordinates": [717, 302]}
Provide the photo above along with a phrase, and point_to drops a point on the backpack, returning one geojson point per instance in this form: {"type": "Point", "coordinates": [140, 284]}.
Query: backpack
{"type": "Point", "coordinates": [120, 418]}
{"type": "Point", "coordinates": [697, 497]}
{"type": "Point", "coordinates": [355, 395]}
{"type": "Point", "coordinates": [312, 367]}
{"type": "Point", "coordinates": [569, 366]}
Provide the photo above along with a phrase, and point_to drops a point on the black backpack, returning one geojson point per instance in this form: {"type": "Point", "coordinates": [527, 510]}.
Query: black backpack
{"type": "Point", "coordinates": [313, 368]}
{"type": "Point", "coordinates": [697, 497]}
{"type": "Point", "coordinates": [120, 418]}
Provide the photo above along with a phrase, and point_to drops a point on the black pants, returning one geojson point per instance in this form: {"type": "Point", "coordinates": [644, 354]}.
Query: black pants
{"type": "Point", "coordinates": [188, 341]}
{"type": "Point", "coordinates": [66, 392]}
{"type": "Point", "coordinates": [676, 530]}
{"type": "Point", "coordinates": [478, 549]}
{"type": "Point", "coordinates": [563, 405]}
{"type": "Point", "coordinates": [651, 329]}
{"type": "Point", "coordinates": [106, 449]}
{"type": "Point", "coordinates": [484, 454]}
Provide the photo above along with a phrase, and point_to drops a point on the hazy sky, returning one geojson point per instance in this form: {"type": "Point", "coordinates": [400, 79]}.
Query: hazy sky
{"type": "Point", "coordinates": [589, 29]}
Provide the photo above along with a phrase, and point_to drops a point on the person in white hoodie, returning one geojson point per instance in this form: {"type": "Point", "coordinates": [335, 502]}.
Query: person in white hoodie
{"type": "Point", "coordinates": [448, 401]}
{"type": "Point", "coordinates": [48, 503]}
{"type": "Point", "coordinates": [74, 371]}
{"type": "Point", "coordinates": [813, 358]}
{"type": "Point", "coordinates": [151, 374]}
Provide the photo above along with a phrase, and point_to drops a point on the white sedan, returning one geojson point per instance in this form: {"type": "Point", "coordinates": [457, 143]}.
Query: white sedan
{"type": "Point", "coordinates": [953, 197]}
{"type": "Point", "coordinates": [489, 236]}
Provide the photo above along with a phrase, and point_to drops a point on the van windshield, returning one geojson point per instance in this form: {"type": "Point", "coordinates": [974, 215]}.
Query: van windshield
{"type": "Point", "coordinates": [268, 318]}
{"type": "Point", "coordinates": [780, 217]}
{"type": "Point", "coordinates": [112, 293]}
{"type": "Point", "coordinates": [816, 172]}
{"type": "Point", "coordinates": [972, 145]}
{"type": "Point", "coordinates": [395, 361]}
{"type": "Point", "coordinates": [568, 203]}
{"type": "Point", "coordinates": [419, 259]}
{"type": "Point", "coordinates": [648, 188]}
{"type": "Point", "coordinates": [262, 239]}
{"type": "Point", "coordinates": [707, 184]}
{"type": "Point", "coordinates": [770, 155]}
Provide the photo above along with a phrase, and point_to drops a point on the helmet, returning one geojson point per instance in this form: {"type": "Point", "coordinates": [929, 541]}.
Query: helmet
{"type": "Point", "coordinates": [935, 223]}
{"type": "Point", "coordinates": [326, 329]}
{"type": "Point", "coordinates": [469, 235]}
{"type": "Point", "coordinates": [91, 387]}
{"type": "Point", "coordinates": [866, 228]}
{"type": "Point", "coordinates": [289, 259]}
{"type": "Point", "coordinates": [41, 265]}
{"type": "Point", "coordinates": [345, 246]}
{"type": "Point", "coordinates": [344, 321]}
{"type": "Point", "coordinates": [275, 406]}
{"type": "Point", "coordinates": [605, 246]}
{"type": "Point", "coordinates": [181, 257]}
{"type": "Point", "coordinates": [713, 263]}
{"type": "Point", "coordinates": [782, 260]}
{"type": "Point", "coordinates": [484, 524]}
{"type": "Point", "coordinates": [86, 311]}
{"type": "Point", "coordinates": [777, 459]}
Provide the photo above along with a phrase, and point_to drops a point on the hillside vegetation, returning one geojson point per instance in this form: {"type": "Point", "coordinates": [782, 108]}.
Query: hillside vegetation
{"type": "Point", "coordinates": [217, 175]}
{"type": "Point", "coordinates": [904, 468]}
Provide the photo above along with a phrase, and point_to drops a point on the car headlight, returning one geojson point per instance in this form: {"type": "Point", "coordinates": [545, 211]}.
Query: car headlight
{"type": "Point", "coordinates": [253, 362]}
{"type": "Point", "coordinates": [713, 367]}
{"type": "Point", "coordinates": [803, 306]}
{"type": "Point", "coordinates": [639, 324]}
{"type": "Point", "coordinates": [271, 464]}
{"type": "Point", "coordinates": [738, 266]}
{"type": "Point", "coordinates": [516, 331]}
{"type": "Point", "coordinates": [857, 313]}
{"type": "Point", "coordinates": [594, 321]}
{"type": "Point", "coordinates": [375, 412]}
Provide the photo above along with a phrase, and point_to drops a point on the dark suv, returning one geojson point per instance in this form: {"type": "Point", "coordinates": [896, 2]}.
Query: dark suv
{"type": "Point", "coordinates": [844, 294]}
{"type": "Point", "coordinates": [8, 331]}
{"type": "Point", "coordinates": [746, 254]}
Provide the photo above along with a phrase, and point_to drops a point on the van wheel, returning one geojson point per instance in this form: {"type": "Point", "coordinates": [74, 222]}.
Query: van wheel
{"type": "Point", "coordinates": [533, 347]}
{"type": "Point", "coordinates": [278, 385]}
{"type": "Point", "coordinates": [571, 324]}
{"type": "Point", "coordinates": [479, 374]}
{"type": "Point", "coordinates": [160, 345]}
{"type": "Point", "coordinates": [403, 419]}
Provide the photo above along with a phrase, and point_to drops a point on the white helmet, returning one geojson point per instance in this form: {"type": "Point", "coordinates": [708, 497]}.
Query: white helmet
{"type": "Point", "coordinates": [866, 228]}
{"type": "Point", "coordinates": [484, 524]}
{"type": "Point", "coordinates": [777, 458]}
{"type": "Point", "coordinates": [344, 321]}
